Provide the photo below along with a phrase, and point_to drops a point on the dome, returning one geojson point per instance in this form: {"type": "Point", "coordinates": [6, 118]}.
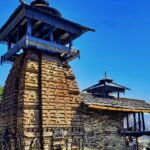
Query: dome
{"type": "Point", "coordinates": [44, 6]}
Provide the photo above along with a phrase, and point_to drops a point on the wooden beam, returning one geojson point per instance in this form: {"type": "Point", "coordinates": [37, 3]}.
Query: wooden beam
{"type": "Point", "coordinates": [51, 36]}
{"type": "Point", "coordinates": [139, 121]}
{"type": "Point", "coordinates": [135, 133]}
{"type": "Point", "coordinates": [12, 25]}
{"type": "Point", "coordinates": [40, 31]}
{"type": "Point", "coordinates": [29, 27]}
{"type": "Point", "coordinates": [143, 121]}
{"type": "Point", "coordinates": [70, 40]}
{"type": "Point", "coordinates": [134, 116]}
{"type": "Point", "coordinates": [127, 121]}
{"type": "Point", "coordinates": [41, 45]}
{"type": "Point", "coordinates": [118, 94]}
{"type": "Point", "coordinates": [118, 109]}
{"type": "Point", "coordinates": [9, 44]}
{"type": "Point", "coordinates": [48, 34]}
{"type": "Point", "coordinates": [14, 49]}
{"type": "Point", "coordinates": [46, 45]}
{"type": "Point", "coordinates": [53, 21]}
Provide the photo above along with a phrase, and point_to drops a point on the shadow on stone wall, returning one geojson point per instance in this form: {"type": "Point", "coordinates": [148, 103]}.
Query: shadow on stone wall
{"type": "Point", "coordinates": [97, 129]}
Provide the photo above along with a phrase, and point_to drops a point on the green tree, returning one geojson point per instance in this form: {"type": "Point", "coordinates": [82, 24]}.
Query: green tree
{"type": "Point", "coordinates": [1, 90]}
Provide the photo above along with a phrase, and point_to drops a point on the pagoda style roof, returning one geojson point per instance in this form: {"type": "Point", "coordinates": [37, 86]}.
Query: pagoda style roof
{"type": "Point", "coordinates": [106, 87]}
{"type": "Point", "coordinates": [41, 28]}
{"type": "Point", "coordinates": [113, 104]}
{"type": "Point", "coordinates": [47, 15]}
{"type": "Point", "coordinates": [110, 85]}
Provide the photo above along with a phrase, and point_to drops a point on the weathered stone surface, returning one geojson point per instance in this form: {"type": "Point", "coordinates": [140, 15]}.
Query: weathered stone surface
{"type": "Point", "coordinates": [50, 99]}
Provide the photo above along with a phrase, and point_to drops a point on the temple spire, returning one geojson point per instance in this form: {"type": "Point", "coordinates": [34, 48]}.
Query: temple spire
{"type": "Point", "coordinates": [105, 76]}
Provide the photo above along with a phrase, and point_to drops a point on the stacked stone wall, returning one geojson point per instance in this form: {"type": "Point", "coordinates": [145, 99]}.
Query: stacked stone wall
{"type": "Point", "coordinates": [102, 130]}
{"type": "Point", "coordinates": [11, 107]}
{"type": "Point", "coordinates": [41, 103]}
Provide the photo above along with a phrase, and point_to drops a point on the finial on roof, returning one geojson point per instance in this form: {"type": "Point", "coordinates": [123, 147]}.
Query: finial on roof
{"type": "Point", "coordinates": [105, 77]}
{"type": "Point", "coordinates": [40, 2]}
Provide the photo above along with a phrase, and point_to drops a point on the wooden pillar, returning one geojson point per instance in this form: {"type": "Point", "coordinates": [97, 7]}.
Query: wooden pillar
{"type": "Point", "coordinates": [51, 37]}
{"type": "Point", "coordinates": [134, 116]}
{"type": "Point", "coordinates": [137, 144]}
{"type": "Point", "coordinates": [143, 121]}
{"type": "Point", "coordinates": [139, 121]}
{"type": "Point", "coordinates": [9, 44]}
{"type": "Point", "coordinates": [70, 40]}
{"type": "Point", "coordinates": [18, 33]}
{"type": "Point", "coordinates": [127, 121]}
{"type": "Point", "coordinates": [118, 94]}
{"type": "Point", "coordinates": [29, 27]}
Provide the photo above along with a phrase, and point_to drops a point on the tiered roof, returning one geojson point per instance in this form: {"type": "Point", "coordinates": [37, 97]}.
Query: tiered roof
{"type": "Point", "coordinates": [100, 96]}
{"type": "Point", "coordinates": [105, 87]}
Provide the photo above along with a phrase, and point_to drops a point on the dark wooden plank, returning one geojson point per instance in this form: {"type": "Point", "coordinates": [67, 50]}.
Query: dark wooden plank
{"type": "Point", "coordinates": [135, 133]}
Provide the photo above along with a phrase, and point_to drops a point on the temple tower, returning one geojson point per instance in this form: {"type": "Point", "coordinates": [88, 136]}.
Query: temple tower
{"type": "Point", "coordinates": [41, 95]}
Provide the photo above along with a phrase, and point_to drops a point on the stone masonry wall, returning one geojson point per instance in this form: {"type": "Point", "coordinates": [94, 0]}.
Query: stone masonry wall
{"type": "Point", "coordinates": [57, 104]}
{"type": "Point", "coordinates": [60, 98]}
{"type": "Point", "coordinates": [102, 130]}
{"type": "Point", "coordinates": [11, 107]}
{"type": "Point", "coordinates": [41, 103]}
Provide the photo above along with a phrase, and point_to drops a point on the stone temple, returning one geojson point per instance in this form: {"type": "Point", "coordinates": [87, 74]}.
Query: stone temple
{"type": "Point", "coordinates": [42, 107]}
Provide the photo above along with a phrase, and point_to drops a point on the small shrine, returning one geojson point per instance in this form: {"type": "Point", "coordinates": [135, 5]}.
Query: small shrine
{"type": "Point", "coordinates": [101, 97]}
{"type": "Point", "coordinates": [106, 87]}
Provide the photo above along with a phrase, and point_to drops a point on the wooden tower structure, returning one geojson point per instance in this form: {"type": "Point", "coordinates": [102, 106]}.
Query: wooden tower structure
{"type": "Point", "coordinates": [41, 95]}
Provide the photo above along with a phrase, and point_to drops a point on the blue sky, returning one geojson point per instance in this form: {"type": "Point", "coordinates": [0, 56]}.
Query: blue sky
{"type": "Point", "coordinates": [120, 46]}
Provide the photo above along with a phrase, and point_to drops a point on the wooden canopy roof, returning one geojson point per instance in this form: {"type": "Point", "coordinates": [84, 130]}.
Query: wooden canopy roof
{"type": "Point", "coordinates": [105, 87]}
{"type": "Point", "coordinates": [41, 28]}
{"type": "Point", "coordinates": [39, 15]}
{"type": "Point", "coordinates": [112, 104]}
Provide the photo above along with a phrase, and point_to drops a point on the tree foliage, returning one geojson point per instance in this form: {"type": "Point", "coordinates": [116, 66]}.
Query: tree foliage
{"type": "Point", "coordinates": [1, 90]}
